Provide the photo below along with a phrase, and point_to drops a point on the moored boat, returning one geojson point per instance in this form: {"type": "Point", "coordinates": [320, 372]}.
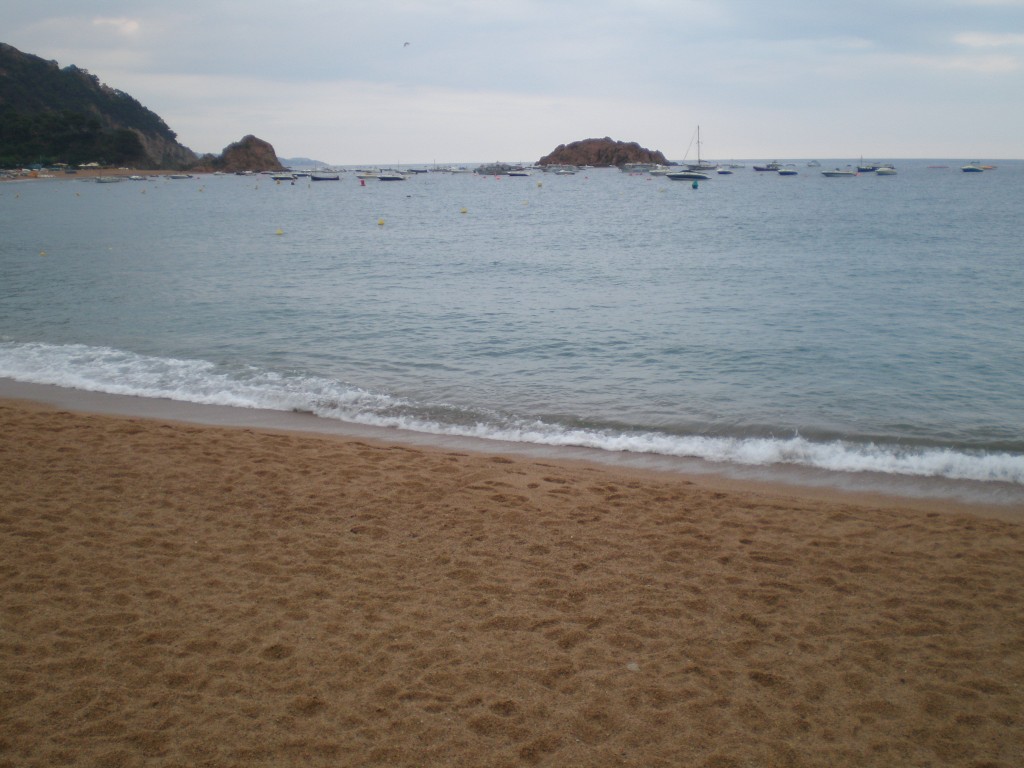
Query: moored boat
{"type": "Point", "coordinates": [772, 166]}
{"type": "Point", "coordinates": [687, 175]}
{"type": "Point", "coordinates": [973, 167]}
{"type": "Point", "coordinates": [838, 173]}
{"type": "Point", "coordinates": [701, 166]}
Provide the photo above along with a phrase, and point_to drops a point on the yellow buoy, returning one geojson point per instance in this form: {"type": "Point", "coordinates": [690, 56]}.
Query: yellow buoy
{"type": "Point", "coordinates": [380, 222]}
{"type": "Point", "coordinates": [462, 211]}
{"type": "Point", "coordinates": [279, 232]}
{"type": "Point", "coordinates": [42, 253]}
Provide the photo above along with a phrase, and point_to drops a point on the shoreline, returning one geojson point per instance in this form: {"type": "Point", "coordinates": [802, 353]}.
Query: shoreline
{"type": "Point", "coordinates": [180, 594]}
{"type": "Point", "coordinates": [862, 488]}
{"type": "Point", "coordinates": [93, 173]}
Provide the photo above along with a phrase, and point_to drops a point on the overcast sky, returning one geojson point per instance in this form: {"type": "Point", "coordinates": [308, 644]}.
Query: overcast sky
{"type": "Point", "coordinates": [422, 81]}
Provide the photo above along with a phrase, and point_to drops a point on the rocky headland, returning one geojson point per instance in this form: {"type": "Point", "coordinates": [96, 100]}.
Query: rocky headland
{"type": "Point", "coordinates": [51, 115]}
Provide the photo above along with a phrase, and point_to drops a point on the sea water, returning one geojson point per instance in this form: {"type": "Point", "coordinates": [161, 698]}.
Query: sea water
{"type": "Point", "coordinates": [866, 328]}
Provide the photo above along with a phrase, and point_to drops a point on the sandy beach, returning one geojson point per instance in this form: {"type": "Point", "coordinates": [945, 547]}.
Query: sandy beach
{"type": "Point", "coordinates": [183, 595]}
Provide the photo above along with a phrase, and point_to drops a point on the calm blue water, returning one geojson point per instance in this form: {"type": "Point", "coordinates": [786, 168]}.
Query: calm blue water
{"type": "Point", "coordinates": [868, 325]}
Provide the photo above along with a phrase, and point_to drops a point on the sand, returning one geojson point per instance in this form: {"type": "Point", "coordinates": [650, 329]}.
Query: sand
{"type": "Point", "coordinates": [180, 595]}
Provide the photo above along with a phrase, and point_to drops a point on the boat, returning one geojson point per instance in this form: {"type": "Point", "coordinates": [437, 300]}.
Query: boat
{"type": "Point", "coordinates": [637, 167]}
{"type": "Point", "coordinates": [320, 176]}
{"type": "Point", "coordinates": [699, 171]}
{"type": "Point", "coordinates": [814, 164]}
{"type": "Point", "coordinates": [885, 170]}
{"type": "Point", "coordinates": [724, 171]}
{"type": "Point", "coordinates": [109, 179]}
{"type": "Point", "coordinates": [772, 166]}
{"type": "Point", "coordinates": [700, 165]}
{"type": "Point", "coordinates": [391, 176]}
{"type": "Point", "coordinates": [367, 174]}
{"type": "Point", "coordinates": [180, 176]}
{"type": "Point", "coordinates": [282, 176]}
{"type": "Point", "coordinates": [787, 172]}
{"type": "Point", "coordinates": [838, 172]}
{"type": "Point", "coordinates": [972, 167]}
{"type": "Point", "coordinates": [687, 175]}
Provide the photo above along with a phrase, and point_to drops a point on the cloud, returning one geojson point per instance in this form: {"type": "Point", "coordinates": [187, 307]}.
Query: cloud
{"type": "Point", "coordinates": [990, 65]}
{"type": "Point", "coordinates": [987, 40]}
{"type": "Point", "coordinates": [125, 27]}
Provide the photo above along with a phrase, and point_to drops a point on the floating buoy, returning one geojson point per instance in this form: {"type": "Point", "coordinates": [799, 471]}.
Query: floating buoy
{"type": "Point", "coordinates": [694, 185]}
{"type": "Point", "coordinates": [279, 232]}
{"type": "Point", "coordinates": [362, 182]}
{"type": "Point", "coordinates": [539, 184]}
{"type": "Point", "coordinates": [462, 211]}
{"type": "Point", "coordinates": [380, 222]}
{"type": "Point", "coordinates": [42, 253]}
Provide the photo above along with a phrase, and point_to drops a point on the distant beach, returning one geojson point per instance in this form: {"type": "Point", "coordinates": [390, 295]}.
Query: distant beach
{"type": "Point", "coordinates": [176, 594]}
{"type": "Point", "coordinates": [89, 173]}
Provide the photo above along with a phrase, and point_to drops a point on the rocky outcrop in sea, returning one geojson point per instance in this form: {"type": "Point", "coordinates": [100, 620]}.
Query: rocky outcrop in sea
{"type": "Point", "coordinates": [602, 152]}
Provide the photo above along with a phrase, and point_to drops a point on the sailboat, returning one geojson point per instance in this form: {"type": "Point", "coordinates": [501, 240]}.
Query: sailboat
{"type": "Point", "coordinates": [695, 171]}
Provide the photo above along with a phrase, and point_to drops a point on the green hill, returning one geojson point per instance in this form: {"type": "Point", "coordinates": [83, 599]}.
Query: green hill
{"type": "Point", "coordinates": [52, 115]}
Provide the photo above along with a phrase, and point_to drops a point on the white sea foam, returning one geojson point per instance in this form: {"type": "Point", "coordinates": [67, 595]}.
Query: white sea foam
{"type": "Point", "coordinates": [99, 369]}
{"type": "Point", "coordinates": [117, 372]}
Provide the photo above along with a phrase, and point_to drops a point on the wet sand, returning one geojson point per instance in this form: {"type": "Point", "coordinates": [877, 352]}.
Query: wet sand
{"type": "Point", "coordinates": [183, 595]}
